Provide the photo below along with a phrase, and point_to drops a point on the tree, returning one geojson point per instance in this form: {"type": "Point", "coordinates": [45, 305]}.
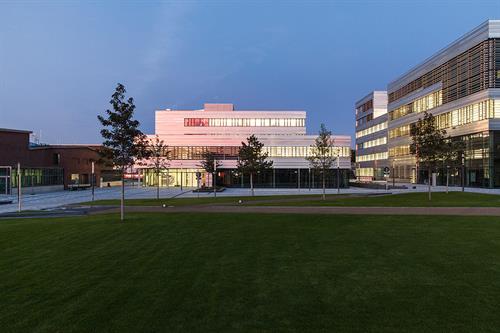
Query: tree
{"type": "Point", "coordinates": [123, 142]}
{"type": "Point", "coordinates": [210, 164]}
{"type": "Point", "coordinates": [320, 155]}
{"type": "Point", "coordinates": [452, 156]}
{"type": "Point", "coordinates": [251, 159]}
{"type": "Point", "coordinates": [159, 159]}
{"type": "Point", "coordinates": [428, 144]}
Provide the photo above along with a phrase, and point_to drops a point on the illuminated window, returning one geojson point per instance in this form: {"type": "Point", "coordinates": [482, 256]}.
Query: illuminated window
{"type": "Point", "coordinates": [370, 130]}
{"type": "Point", "coordinates": [244, 122]}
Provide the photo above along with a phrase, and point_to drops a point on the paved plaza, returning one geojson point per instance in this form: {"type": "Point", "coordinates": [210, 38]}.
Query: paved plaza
{"type": "Point", "coordinates": [63, 198]}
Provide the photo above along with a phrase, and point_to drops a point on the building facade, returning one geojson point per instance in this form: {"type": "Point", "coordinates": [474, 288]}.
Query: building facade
{"type": "Point", "coordinates": [45, 167]}
{"type": "Point", "coordinates": [460, 86]}
{"type": "Point", "coordinates": [371, 136]}
{"type": "Point", "coordinates": [220, 129]}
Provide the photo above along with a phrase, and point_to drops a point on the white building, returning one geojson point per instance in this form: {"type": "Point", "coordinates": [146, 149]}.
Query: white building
{"type": "Point", "coordinates": [220, 129]}
{"type": "Point", "coordinates": [371, 136]}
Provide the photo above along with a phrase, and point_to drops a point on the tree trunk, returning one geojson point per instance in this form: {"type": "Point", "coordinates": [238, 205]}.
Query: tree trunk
{"type": "Point", "coordinates": [429, 185]}
{"type": "Point", "coordinates": [447, 179]}
{"type": "Point", "coordinates": [122, 199]}
{"type": "Point", "coordinates": [324, 185]}
{"type": "Point", "coordinates": [251, 183]}
{"type": "Point", "coordinates": [214, 183]}
{"type": "Point", "coordinates": [158, 186]}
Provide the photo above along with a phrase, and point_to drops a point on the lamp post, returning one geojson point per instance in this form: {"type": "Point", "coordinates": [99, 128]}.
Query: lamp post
{"type": "Point", "coordinates": [338, 173]}
{"type": "Point", "coordinates": [92, 180]}
{"type": "Point", "coordinates": [19, 187]}
{"type": "Point", "coordinates": [393, 178]}
{"type": "Point", "coordinates": [181, 178]}
{"type": "Point", "coordinates": [214, 178]}
{"type": "Point", "coordinates": [463, 172]}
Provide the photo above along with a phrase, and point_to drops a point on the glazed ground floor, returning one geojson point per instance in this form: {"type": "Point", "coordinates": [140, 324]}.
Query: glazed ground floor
{"type": "Point", "coordinates": [274, 178]}
{"type": "Point", "coordinates": [480, 167]}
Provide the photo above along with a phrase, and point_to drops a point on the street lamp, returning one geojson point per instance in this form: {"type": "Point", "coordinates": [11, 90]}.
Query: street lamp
{"type": "Point", "coordinates": [338, 172]}
{"type": "Point", "coordinates": [214, 178]}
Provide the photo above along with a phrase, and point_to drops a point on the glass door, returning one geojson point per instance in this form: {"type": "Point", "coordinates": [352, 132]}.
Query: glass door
{"type": "Point", "coordinates": [5, 173]}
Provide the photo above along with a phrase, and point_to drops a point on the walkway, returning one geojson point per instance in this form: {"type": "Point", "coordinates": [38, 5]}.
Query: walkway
{"type": "Point", "coordinates": [63, 198]}
{"type": "Point", "coordinates": [455, 211]}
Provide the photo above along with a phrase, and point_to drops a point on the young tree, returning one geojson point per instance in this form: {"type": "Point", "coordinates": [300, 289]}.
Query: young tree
{"type": "Point", "coordinates": [321, 156]}
{"type": "Point", "coordinates": [428, 144]}
{"type": "Point", "coordinates": [251, 159]}
{"type": "Point", "coordinates": [210, 164]}
{"type": "Point", "coordinates": [123, 142]}
{"type": "Point", "coordinates": [159, 159]}
{"type": "Point", "coordinates": [452, 156]}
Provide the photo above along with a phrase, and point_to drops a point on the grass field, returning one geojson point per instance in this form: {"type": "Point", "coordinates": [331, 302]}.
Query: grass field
{"type": "Point", "coordinates": [415, 199]}
{"type": "Point", "coordinates": [439, 199]}
{"type": "Point", "coordinates": [265, 273]}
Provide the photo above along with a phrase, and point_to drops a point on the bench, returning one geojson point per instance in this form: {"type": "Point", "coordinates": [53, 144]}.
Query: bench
{"type": "Point", "coordinates": [76, 187]}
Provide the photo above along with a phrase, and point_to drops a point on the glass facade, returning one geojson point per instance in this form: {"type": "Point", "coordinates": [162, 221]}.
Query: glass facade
{"type": "Point", "coordinates": [31, 177]}
{"type": "Point", "coordinates": [231, 152]}
{"type": "Point", "coordinates": [421, 104]}
{"type": "Point", "coordinates": [481, 167]}
{"type": "Point", "coordinates": [274, 178]}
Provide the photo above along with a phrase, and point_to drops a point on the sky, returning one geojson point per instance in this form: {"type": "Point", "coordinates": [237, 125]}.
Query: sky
{"type": "Point", "coordinates": [61, 60]}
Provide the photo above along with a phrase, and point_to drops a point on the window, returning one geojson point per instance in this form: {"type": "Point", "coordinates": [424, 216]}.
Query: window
{"type": "Point", "coordinates": [56, 159]}
{"type": "Point", "coordinates": [244, 122]}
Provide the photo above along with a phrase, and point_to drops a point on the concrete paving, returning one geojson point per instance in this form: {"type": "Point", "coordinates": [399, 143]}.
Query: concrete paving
{"type": "Point", "coordinates": [63, 198]}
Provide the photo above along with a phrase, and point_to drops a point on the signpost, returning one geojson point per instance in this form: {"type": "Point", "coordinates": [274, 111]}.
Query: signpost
{"type": "Point", "coordinates": [387, 173]}
{"type": "Point", "coordinates": [198, 178]}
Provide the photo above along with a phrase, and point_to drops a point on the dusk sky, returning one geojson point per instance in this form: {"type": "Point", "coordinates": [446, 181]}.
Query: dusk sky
{"type": "Point", "coordinates": [61, 60]}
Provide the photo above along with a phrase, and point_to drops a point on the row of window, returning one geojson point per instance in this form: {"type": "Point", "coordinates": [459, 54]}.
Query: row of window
{"type": "Point", "coordinates": [365, 106]}
{"type": "Point", "coordinates": [399, 131]}
{"type": "Point", "coordinates": [372, 143]}
{"type": "Point", "coordinates": [364, 172]}
{"type": "Point", "coordinates": [231, 152]}
{"type": "Point", "coordinates": [364, 120]}
{"type": "Point", "coordinates": [244, 122]}
{"type": "Point", "coordinates": [421, 104]}
{"type": "Point", "coordinates": [370, 130]}
{"type": "Point", "coordinates": [399, 151]}
{"type": "Point", "coordinates": [303, 151]}
{"type": "Point", "coordinates": [38, 177]}
{"type": "Point", "coordinates": [371, 157]}
{"type": "Point", "coordinates": [474, 112]}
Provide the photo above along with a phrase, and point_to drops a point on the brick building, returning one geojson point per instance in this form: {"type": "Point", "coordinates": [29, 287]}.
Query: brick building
{"type": "Point", "coordinates": [45, 167]}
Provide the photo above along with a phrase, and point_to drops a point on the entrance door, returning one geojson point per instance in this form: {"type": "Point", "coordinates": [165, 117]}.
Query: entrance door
{"type": "Point", "coordinates": [5, 173]}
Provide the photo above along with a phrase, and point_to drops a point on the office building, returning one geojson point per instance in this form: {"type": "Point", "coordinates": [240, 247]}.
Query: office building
{"type": "Point", "coordinates": [220, 129]}
{"type": "Point", "coordinates": [460, 86]}
{"type": "Point", "coordinates": [371, 136]}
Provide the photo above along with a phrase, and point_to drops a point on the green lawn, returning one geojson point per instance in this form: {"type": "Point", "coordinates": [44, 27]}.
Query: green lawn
{"type": "Point", "coordinates": [250, 273]}
{"type": "Point", "coordinates": [439, 199]}
{"type": "Point", "coordinates": [202, 200]}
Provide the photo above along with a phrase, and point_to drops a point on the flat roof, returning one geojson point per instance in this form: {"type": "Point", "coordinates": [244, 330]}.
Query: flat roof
{"type": "Point", "coordinates": [15, 130]}
{"type": "Point", "coordinates": [487, 29]}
